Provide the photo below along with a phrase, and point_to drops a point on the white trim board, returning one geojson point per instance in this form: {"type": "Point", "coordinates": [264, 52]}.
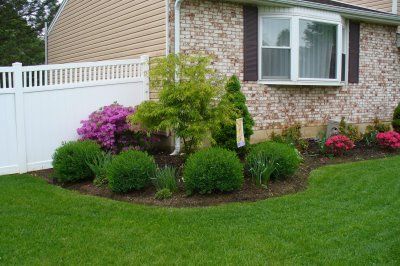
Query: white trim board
{"type": "Point", "coordinates": [56, 17]}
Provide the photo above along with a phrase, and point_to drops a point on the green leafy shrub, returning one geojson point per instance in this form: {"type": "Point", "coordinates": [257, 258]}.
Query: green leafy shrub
{"type": "Point", "coordinates": [373, 130]}
{"type": "Point", "coordinates": [285, 158]}
{"type": "Point", "coordinates": [130, 170]}
{"type": "Point", "coordinates": [291, 135]}
{"type": "Point", "coordinates": [99, 166]}
{"type": "Point", "coordinates": [213, 169]}
{"type": "Point", "coordinates": [396, 119]}
{"type": "Point", "coordinates": [163, 194]}
{"type": "Point", "coordinates": [70, 161]}
{"type": "Point", "coordinates": [350, 131]}
{"type": "Point", "coordinates": [165, 178]}
{"type": "Point", "coordinates": [225, 134]}
{"type": "Point", "coordinates": [188, 101]}
{"type": "Point", "coordinates": [321, 140]}
{"type": "Point", "coordinates": [261, 168]}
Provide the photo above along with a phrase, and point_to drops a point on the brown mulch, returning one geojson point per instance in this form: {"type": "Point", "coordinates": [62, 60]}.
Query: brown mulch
{"type": "Point", "coordinates": [249, 192]}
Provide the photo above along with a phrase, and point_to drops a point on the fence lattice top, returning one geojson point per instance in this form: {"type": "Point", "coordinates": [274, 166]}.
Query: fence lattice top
{"type": "Point", "coordinates": [72, 73]}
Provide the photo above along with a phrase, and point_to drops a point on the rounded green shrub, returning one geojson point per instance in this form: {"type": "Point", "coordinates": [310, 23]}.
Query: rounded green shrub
{"type": "Point", "coordinates": [130, 170]}
{"type": "Point", "coordinates": [284, 157]}
{"type": "Point", "coordinates": [70, 161]}
{"type": "Point", "coordinates": [396, 119]}
{"type": "Point", "coordinates": [213, 169]}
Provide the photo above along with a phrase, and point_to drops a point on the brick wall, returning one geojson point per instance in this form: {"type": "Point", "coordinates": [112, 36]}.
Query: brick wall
{"type": "Point", "coordinates": [216, 29]}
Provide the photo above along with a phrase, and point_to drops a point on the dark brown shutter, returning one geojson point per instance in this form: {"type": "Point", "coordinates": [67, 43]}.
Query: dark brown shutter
{"type": "Point", "coordinates": [354, 51]}
{"type": "Point", "coordinates": [250, 42]}
{"type": "Point", "coordinates": [344, 67]}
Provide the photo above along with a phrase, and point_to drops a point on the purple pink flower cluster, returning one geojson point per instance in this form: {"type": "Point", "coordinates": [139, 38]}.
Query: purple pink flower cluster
{"type": "Point", "coordinates": [104, 125]}
{"type": "Point", "coordinates": [339, 144]}
{"type": "Point", "coordinates": [389, 140]}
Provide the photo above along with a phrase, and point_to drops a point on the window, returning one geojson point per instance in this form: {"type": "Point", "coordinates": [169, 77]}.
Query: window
{"type": "Point", "coordinates": [276, 49]}
{"type": "Point", "coordinates": [300, 49]}
{"type": "Point", "coordinates": [318, 51]}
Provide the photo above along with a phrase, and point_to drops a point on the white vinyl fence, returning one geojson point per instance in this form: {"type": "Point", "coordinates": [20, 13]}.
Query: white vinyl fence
{"type": "Point", "coordinates": [42, 106]}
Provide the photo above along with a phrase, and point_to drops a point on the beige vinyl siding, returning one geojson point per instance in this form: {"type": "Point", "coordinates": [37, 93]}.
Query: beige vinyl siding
{"type": "Point", "coordinates": [381, 5]}
{"type": "Point", "coordinates": [95, 30]}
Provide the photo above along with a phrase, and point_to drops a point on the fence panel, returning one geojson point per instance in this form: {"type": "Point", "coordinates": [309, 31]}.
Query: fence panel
{"type": "Point", "coordinates": [8, 134]}
{"type": "Point", "coordinates": [43, 106]}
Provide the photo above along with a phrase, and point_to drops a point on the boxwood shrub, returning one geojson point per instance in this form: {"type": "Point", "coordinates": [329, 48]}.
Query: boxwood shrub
{"type": "Point", "coordinates": [70, 161]}
{"type": "Point", "coordinates": [285, 157]}
{"type": "Point", "coordinates": [130, 170]}
{"type": "Point", "coordinates": [213, 169]}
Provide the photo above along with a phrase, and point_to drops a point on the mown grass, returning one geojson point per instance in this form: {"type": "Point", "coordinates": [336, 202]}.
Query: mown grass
{"type": "Point", "coordinates": [349, 215]}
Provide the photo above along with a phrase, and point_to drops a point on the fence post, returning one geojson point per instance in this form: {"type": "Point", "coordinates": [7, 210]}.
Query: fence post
{"type": "Point", "coordinates": [19, 113]}
{"type": "Point", "coordinates": [145, 75]}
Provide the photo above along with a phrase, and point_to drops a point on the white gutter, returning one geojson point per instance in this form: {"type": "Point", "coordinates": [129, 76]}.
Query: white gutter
{"type": "Point", "coordinates": [394, 6]}
{"type": "Point", "coordinates": [177, 49]}
{"type": "Point", "coordinates": [350, 13]}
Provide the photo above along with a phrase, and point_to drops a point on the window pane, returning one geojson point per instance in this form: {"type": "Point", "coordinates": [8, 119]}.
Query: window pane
{"type": "Point", "coordinates": [318, 50]}
{"type": "Point", "coordinates": [276, 32]}
{"type": "Point", "coordinates": [275, 63]}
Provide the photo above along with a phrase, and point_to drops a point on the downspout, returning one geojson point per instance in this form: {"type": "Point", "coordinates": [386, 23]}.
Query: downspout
{"type": "Point", "coordinates": [177, 47]}
{"type": "Point", "coordinates": [395, 6]}
{"type": "Point", "coordinates": [46, 48]}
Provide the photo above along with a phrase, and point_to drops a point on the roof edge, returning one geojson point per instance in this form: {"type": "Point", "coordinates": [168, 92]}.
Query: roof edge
{"type": "Point", "coordinates": [57, 16]}
{"type": "Point", "coordinates": [363, 15]}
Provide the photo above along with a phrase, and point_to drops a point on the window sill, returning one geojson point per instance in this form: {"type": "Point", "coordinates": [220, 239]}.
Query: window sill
{"type": "Point", "coordinates": [302, 83]}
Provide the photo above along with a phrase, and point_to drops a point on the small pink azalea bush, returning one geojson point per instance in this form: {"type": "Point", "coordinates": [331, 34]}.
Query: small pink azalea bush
{"type": "Point", "coordinates": [338, 145]}
{"type": "Point", "coordinates": [109, 128]}
{"type": "Point", "coordinates": [389, 140]}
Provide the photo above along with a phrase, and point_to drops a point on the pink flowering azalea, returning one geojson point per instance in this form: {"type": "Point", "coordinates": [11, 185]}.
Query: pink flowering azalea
{"type": "Point", "coordinates": [339, 144]}
{"type": "Point", "coordinates": [389, 140]}
{"type": "Point", "coordinates": [106, 125]}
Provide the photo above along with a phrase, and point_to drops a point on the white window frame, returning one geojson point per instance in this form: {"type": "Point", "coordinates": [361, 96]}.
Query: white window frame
{"type": "Point", "coordinates": [290, 47]}
{"type": "Point", "coordinates": [295, 18]}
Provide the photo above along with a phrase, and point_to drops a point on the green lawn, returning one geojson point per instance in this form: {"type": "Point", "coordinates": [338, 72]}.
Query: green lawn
{"type": "Point", "coordinates": [349, 215]}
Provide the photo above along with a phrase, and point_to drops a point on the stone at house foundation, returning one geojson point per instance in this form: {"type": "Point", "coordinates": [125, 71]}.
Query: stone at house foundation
{"type": "Point", "coordinates": [332, 128]}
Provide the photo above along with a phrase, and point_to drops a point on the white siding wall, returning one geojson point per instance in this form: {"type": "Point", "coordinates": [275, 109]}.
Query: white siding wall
{"type": "Point", "coordinates": [381, 5]}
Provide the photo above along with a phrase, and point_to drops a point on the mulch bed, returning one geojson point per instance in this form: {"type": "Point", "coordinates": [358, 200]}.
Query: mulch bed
{"type": "Point", "coordinates": [249, 192]}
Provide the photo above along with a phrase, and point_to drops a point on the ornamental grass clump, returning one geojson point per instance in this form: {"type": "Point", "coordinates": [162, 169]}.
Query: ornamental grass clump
{"type": "Point", "coordinates": [109, 128]}
{"type": "Point", "coordinates": [71, 160]}
{"type": "Point", "coordinates": [130, 170]}
{"type": "Point", "coordinates": [166, 178]}
{"type": "Point", "coordinates": [261, 168]}
{"type": "Point", "coordinates": [99, 165]}
{"type": "Point", "coordinates": [212, 170]}
{"type": "Point", "coordinates": [389, 140]}
{"type": "Point", "coordinates": [338, 145]}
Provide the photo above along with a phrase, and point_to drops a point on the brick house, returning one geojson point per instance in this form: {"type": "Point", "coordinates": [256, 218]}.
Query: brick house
{"type": "Point", "coordinates": [304, 61]}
